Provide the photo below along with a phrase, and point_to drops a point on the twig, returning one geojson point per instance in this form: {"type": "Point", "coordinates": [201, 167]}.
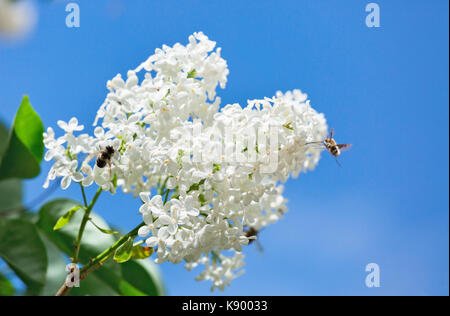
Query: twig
{"type": "Point", "coordinates": [100, 259]}
{"type": "Point", "coordinates": [84, 221]}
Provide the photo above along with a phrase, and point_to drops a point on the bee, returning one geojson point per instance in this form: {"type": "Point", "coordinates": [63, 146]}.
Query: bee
{"type": "Point", "coordinates": [333, 148]}
{"type": "Point", "coordinates": [252, 233]}
{"type": "Point", "coordinates": [104, 157]}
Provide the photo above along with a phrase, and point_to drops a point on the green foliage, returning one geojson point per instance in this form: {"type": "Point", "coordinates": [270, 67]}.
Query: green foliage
{"type": "Point", "coordinates": [25, 148]}
{"type": "Point", "coordinates": [65, 219]}
{"type": "Point", "coordinates": [23, 250]}
{"type": "Point", "coordinates": [103, 230]}
{"type": "Point", "coordinates": [196, 186]}
{"type": "Point", "coordinates": [107, 280]}
{"type": "Point", "coordinates": [56, 268]}
{"type": "Point", "coordinates": [144, 275]}
{"type": "Point", "coordinates": [10, 195]}
{"type": "Point", "coordinates": [93, 241]}
{"type": "Point", "coordinates": [6, 288]}
{"type": "Point", "coordinates": [3, 138]}
{"type": "Point", "coordinates": [192, 73]}
{"type": "Point", "coordinates": [216, 167]}
{"type": "Point", "coordinates": [36, 246]}
{"type": "Point", "coordinates": [123, 253]}
{"type": "Point", "coordinates": [139, 252]}
{"type": "Point", "coordinates": [288, 126]}
{"type": "Point", "coordinates": [10, 189]}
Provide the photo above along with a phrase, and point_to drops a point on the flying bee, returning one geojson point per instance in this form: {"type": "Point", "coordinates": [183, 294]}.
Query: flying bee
{"type": "Point", "coordinates": [252, 234]}
{"type": "Point", "coordinates": [333, 148]}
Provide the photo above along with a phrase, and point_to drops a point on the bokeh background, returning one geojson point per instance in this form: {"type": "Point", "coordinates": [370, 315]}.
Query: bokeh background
{"type": "Point", "coordinates": [383, 89]}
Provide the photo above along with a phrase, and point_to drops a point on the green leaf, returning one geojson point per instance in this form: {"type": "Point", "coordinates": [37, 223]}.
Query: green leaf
{"type": "Point", "coordinates": [10, 195]}
{"type": "Point", "coordinates": [93, 241]}
{"type": "Point", "coordinates": [10, 189]}
{"type": "Point", "coordinates": [192, 73]}
{"type": "Point", "coordinates": [196, 186]}
{"type": "Point", "coordinates": [104, 231]}
{"type": "Point", "coordinates": [139, 252]}
{"type": "Point", "coordinates": [93, 285]}
{"type": "Point", "coordinates": [3, 138]}
{"type": "Point", "coordinates": [6, 288]}
{"type": "Point", "coordinates": [123, 253]}
{"type": "Point", "coordinates": [23, 250]}
{"type": "Point", "coordinates": [56, 269]}
{"type": "Point", "coordinates": [288, 126]}
{"type": "Point", "coordinates": [216, 167]}
{"type": "Point", "coordinates": [25, 149]}
{"type": "Point", "coordinates": [144, 275]}
{"type": "Point", "coordinates": [114, 181]}
{"type": "Point", "coordinates": [65, 219]}
{"type": "Point", "coordinates": [108, 279]}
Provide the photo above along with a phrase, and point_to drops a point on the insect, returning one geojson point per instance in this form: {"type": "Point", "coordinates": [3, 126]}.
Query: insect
{"type": "Point", "coordinates": [252, 233]}
{"type": "Point", "coordinates": [333, 147]}
{"type": "Point", "coordinates": [104, 157]}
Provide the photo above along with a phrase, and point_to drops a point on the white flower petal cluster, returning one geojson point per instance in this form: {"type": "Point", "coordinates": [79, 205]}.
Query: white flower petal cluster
{"type": "Point", "coordinates": [218, 170]}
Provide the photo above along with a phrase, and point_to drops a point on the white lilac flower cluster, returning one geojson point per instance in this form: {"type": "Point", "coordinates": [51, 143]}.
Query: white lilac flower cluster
{"type": "Point", "coordinates": [219, 171]}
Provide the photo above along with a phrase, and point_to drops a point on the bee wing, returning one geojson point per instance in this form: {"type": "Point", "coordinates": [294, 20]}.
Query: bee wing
{"type": "Point", "coordinates": [260, 247]}
{"type": "Point", "coordinates": [331, 133]}
{"type": "Point", "coordinates": [316, 145]}
{"type": "Point", "coordinates": [337, 161]}
{"type": "Point", "coordinates": [344, 147]}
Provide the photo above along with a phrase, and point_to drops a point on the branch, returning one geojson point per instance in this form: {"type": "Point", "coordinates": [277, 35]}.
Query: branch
{"type": "Point", "coordinates": [100, 259]}
{"type": "Point", "coordinates": [84, 221]}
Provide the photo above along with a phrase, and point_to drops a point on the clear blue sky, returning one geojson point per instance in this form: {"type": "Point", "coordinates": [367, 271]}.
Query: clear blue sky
{"type": "Point", "coordinates": [383, 89]}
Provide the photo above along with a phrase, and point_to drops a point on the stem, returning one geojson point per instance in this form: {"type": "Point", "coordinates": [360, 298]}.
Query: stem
{"type": "Point", "coordinates": [105, 255]}
{"type": "Point", "coordinates": [100, 259]}
{"type": "Point", "coordinates": [84, 195]}
{"type": "Point", "coordinates": [108, 253]}
{"type": "Point", "coordinates": [167, 196]}
{"type": "Point", "coordinates": [84, 221]}
{"type": "Point", "coordinates": [163, 186]}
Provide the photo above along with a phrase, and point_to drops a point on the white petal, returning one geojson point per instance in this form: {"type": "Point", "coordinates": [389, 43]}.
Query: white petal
{"type": "Point", "coordinates": [77, 177]}
{"type": "Point", "coordinates": [73, 122]}
{"type": "Point", "coordinates": [157, 201]}
{"type": "Point", "coordinates": [193, 212]}
{"type": "Point", "coordinates": [65, 182]}
{"type": "Point", "coordinates": [143, 231]}
{"type": "Point", "coordinates": [63, 125]}
{"type": "Point", "coordinates": [99, 132]}
{"type": "Point", "coordinates": [172, 229]}
{"type": "Point", "coordinates": [148, 218]}
{"type": "Point", "coordinates": [163, 233]}
{"type": "Point", "coordinates": [152, 241]}
{"type": "Point", "coordinates": [145, 197]}
{"type": "Point", "coordinates": [144, 208]}
{"type": "Point", "coordinates": [163, 220]}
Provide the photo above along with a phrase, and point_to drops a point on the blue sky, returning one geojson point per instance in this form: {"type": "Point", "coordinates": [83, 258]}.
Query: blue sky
{"type": "Point", "coordinates": [383, 89]}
